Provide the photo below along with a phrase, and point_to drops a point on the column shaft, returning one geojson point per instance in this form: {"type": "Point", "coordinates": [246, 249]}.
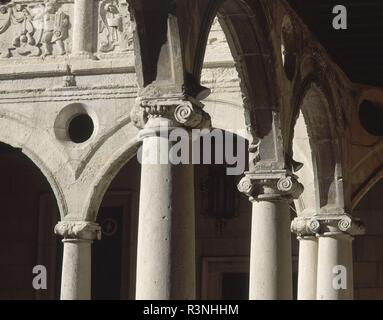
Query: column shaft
{"type": "Point", "coordinates": [83, 27]}
{"type": "Point", "coordinates": [166, 233]}
{"type": "Point", "coordinates": [334, 250]}
{"type": "Point", "coordinates": [76, 270]}
{"type": "Point", "coordinates": [270, 261]}
{"type": "Point", "coordinates": [307, 269]}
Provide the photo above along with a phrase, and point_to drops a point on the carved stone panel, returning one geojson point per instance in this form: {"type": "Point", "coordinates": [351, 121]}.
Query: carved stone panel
{"type": "Point", "coordinates": [115, 29]}
{"type": "Point", "coordinates": [35, 28]}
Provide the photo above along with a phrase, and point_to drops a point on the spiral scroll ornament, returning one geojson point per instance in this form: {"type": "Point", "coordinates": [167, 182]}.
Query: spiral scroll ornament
{"type": "Point", "coordinates": [245, 186]}
{"type": "Point", "coordinates": [186, 115]}
{"type": "Point", "coordinates": [314, 225]}
{"type": "Point", "coordinates": [344, 224]}
{"type": "Point", "coordinates": [285, 184]}
{"type": "Point", "coordinates": [183, 113]}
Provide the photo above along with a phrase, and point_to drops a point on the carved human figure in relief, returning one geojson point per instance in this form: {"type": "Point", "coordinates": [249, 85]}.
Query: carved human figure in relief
{"type": "Point", "coordinates": [114, 22]}
{"type": "Point", "coordinates": [54, 26]}
{"type": "Point", "coordinates": [115, 26]}
{"type": "Point", "coordinates": [4, 18]}
{"type": "Point", "coordinates": [5, 21]}
{"type": "Point", "coordinates": [24, 41]}
{"type": "Point", "coordinates": [35, 28]}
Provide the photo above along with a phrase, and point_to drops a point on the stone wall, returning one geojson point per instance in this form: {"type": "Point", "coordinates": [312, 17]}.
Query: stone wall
{"type": "Point", "coordinates": [49, 74]}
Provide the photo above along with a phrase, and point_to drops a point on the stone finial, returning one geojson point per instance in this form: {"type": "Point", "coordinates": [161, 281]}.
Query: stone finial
{"type": "Point", "coordinates": [81, 230]}
{"type": "Point", "coordinates": [270, 185]}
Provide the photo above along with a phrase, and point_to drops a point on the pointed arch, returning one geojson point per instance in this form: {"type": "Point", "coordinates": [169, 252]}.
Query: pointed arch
{"type": "Point", "coordinates": [106, 174]}
{"type": "Point", "coordinates": [247, 31]}
{"type": "Point", "coordinates": [315, 106]}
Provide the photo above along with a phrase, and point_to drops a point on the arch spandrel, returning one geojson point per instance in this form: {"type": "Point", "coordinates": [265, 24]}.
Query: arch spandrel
{"type": "Point", "coordinates": [41, 151]}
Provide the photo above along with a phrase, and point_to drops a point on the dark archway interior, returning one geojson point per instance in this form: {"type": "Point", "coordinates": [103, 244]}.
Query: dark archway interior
{"type": "Point", "coordinates": [114, 257]}
{"type": "Point", "coordinates": [371, 117]}
{"type": "Point", "coordinates": [368, 253]}
{"type": "Point", "coordinates": [27, 216]}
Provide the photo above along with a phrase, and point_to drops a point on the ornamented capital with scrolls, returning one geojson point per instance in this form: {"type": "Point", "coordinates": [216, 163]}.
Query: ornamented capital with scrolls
{"type": "Point", "coordinates": [180, 110]}
{"type": "Point", "coordinates": [275, 185]}
{"type": "Point", "coordinates": [331, 224]}
{"type": "Point", "coordinates": [78, 230]}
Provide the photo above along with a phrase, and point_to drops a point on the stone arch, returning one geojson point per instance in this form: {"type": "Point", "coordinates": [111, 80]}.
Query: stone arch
{"type": "Point", "coordinates": [289, 40]}
{"type": "Point", "coordinates": [106, 174]}
{"type": "Point", "coordinates": [371, 169]}
{"type": "Point", "coordinates": [315, 106]}
{"type": "Point", "coordinates": [247, 31]}
{"type": "Point", "coordinates": [314, 67]}
{"type": "Point", "coordinates": [367, 170]}
{"type": "Point", "coordinates": [18, 132]}
{"type": "Point", "coordinates": [122, 155]}
{"type": "Point", "coordinates": [224, 105]}
{"type": "Point", "coordinates": [306, 204]}
{"type": "Point", "coordinates": [29, 213]}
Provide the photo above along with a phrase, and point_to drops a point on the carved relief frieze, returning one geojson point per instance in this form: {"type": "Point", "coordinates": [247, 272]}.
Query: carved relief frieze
{"type": "Point", "coordinates": [34, 28]}
{"type": "Point", "coordinates": [115, 29]}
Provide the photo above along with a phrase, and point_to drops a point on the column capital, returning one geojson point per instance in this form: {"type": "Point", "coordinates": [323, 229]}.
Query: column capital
{"type": "Point", "coordinates": [270, 185]}
{"type": "Point", "coordinates": [78, 230]}
{"type": "Point", "coordinates": [181, 110]}
{"type": "Point", "coordinates": [325, 225]}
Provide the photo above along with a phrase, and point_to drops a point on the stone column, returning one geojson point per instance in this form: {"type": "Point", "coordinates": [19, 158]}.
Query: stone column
{"type": "Point", "coordinates": [82, 45]}
{"type": "Point", "coordinates": [335, 262]}
{"type": "Point", "coordinates": [166, 232]}
{"type": "Point", "coordinates": [270, 257]}
{"type": "Point", "coordinates": [307, 268]}
{"type": "Point", "coordinates": [76, 268]}
{"type": "Point", "coordinates": [306, 228]}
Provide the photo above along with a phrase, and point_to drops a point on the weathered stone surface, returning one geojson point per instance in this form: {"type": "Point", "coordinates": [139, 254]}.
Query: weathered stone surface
{"type": "Point", "coordinates": [62, 59]}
